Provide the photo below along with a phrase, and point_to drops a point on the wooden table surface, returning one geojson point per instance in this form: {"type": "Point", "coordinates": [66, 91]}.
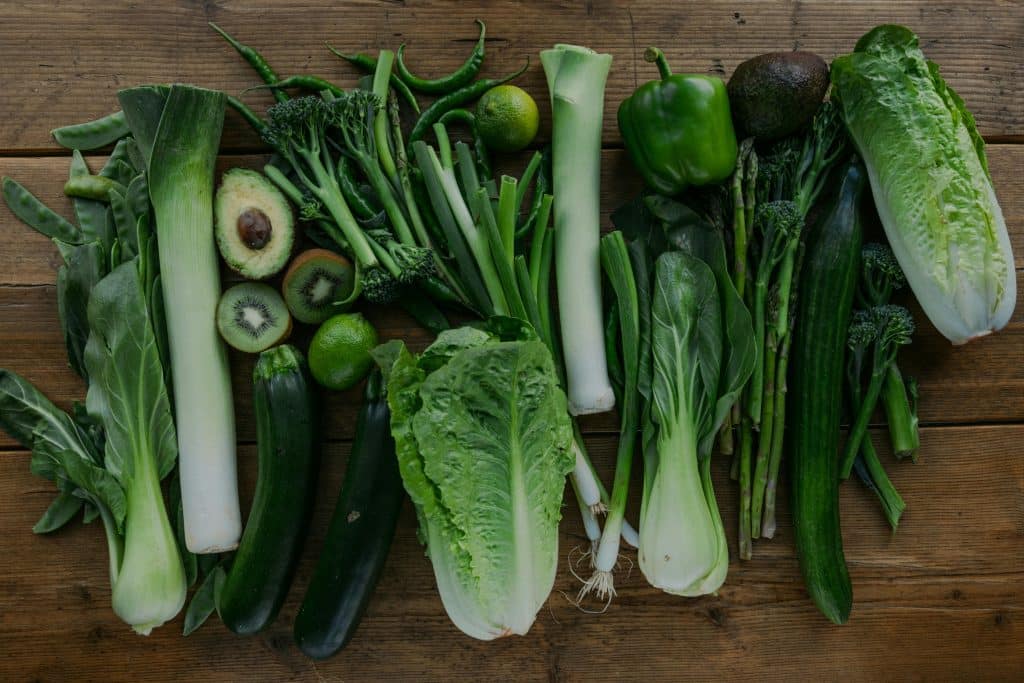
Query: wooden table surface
{"type": "Point", "coordinates": [941, 599]}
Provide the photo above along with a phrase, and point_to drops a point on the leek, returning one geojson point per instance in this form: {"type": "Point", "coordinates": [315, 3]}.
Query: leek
{"type": "Point", "coordinates": [576, 79]}
{"type": "Point", "coordinates": [178, 130]}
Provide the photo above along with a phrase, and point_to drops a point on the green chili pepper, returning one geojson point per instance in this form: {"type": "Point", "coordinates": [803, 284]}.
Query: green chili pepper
{"type": "Point", "coordinates": [369, 65]}
{"type": "Point", "coordinates": [359, 204]}
{"type": "Point", "coordinates": [255, 60]}
{"type": "Point", "coordinates": [678, 130]}
{"type": "Point", "coordinates": [303, 81]}
{"type": "Point", "coordinates": [251, 117]}
{"type": "Point", "coordinates": [442, 105]}
{"type": "Point", "coordinates": [445, 84]}
{"type": "Point", "coordinates": [92, 134]}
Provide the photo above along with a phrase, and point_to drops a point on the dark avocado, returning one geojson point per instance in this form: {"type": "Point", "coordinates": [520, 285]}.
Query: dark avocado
{"type": "Point", "coordinates": [776, 94]}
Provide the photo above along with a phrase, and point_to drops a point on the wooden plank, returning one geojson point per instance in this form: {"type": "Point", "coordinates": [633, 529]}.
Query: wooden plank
{"type": "Point", "coordinates": [66, 66]}
{"type": "Point", "coordinates": [945, 593]}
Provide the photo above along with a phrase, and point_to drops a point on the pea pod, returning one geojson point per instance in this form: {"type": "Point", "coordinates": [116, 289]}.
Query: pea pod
{"type": "Point", "coordinates": [91, 214]}
{"type": "Point", "coordinates": [39, 216]}
{"type": "Point", "coordinates": [254, 59]}
{"type": "Point", "coordinates": [445, 84]}
{"type": "Point", "coordinates": [453, 100]}
{"type": "Point", "coordinates": [94, 187]}
{"type": "Point", "coordinates": [369, 64]}
{"type": "Point", "coordinates": [92, 134]}
{"type": "Point", "coordinates": [137, 196]}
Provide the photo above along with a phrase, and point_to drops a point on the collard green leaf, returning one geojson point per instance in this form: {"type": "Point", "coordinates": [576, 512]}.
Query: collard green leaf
{"type": "Point", "coordinates": [126, 389]}
{"type": "Point", "coordinates": [33, 421]}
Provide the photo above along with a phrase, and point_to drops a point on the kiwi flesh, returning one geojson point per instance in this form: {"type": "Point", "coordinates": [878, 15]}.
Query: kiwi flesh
{"type": "Point", "coordinates": [314, 284]}
{"type": "Point", "coordinates": [252, 317]}
{"type": "Point", "coordinates": [255, 226]}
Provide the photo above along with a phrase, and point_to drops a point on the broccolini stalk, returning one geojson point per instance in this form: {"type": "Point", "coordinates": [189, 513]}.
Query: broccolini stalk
{"type": "Point", "coordinates": [894, 327]}
{"type": "Point", "coordinates": [862, 335]}
{"type": "Point", "coordinates": [881, 275]}
{"type": "Point", "coordinates": [297, 130]}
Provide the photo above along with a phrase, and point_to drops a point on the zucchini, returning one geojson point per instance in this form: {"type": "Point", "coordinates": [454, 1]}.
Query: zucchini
{"type": "Point", "coordinates": [827, 284]}
{"type": "Point", "coordinates": [359, 535]}
{"type": "Point", "coordinates": [286, 409]}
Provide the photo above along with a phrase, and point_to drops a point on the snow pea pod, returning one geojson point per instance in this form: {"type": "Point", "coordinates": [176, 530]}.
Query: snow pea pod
{"type": "Point", "coordinates": [445, 84]}
{"type": "Point", "coordinates": [37, 215]}
{"type": "Point", "coordinates": [95, 187]}
{"type": "Point", "coordinates": [453, 100]}
{"type": "Point", "coordinates": [92, 134]}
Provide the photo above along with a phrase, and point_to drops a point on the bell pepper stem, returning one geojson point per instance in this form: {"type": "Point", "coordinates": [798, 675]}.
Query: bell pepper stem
{"type": "Point", "coordinates": [654, 54]}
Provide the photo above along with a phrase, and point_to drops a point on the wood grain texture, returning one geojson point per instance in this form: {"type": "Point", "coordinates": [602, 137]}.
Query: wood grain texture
{"type": "Point", "coordinates": [941, 599]}
{"type": "Point", "coordinates": [66, 66]}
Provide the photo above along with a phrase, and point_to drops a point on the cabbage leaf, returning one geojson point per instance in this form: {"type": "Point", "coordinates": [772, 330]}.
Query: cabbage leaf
{"type": "Point", "coordinates": [929, 176]}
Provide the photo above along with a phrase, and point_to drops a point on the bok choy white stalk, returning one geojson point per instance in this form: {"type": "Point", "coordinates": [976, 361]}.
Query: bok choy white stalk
{"type": "Point", "coordinates": [178, 130]}
{"type": "Point", "coordinates": [576, 79]}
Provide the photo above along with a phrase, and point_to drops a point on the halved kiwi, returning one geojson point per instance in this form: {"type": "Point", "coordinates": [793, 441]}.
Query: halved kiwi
{"type": "Point", "coordinates": [316, 280]}
{"type": "Point", "coordinates": [252, 317]}
{"type": "Point", "coordinates": [255, 226]}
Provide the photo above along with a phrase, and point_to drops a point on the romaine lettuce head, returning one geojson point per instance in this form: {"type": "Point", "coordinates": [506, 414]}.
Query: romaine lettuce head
{"type": "Point", "coordinates": [483, 442]}
{"type": "Point", "coordinates": [929, 176]}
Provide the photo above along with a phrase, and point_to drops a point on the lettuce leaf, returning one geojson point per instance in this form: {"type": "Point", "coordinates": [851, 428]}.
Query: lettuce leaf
{"type": "Point", "coordinates": [483, 442]}
{"type": "Point", "coordinates": [930, 180]}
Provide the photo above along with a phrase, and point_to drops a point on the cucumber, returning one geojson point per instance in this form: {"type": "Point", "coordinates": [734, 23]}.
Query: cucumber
{"type": "Point", "coordinates": [827, 284]}
{"type": "Point", "coordinates": [359, 535]}
{"type": "Point", "coordinates": [286, 409]}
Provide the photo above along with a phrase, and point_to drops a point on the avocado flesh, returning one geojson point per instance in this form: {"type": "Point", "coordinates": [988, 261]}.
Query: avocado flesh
{"type": "Point", "coordinates": [246, 199]}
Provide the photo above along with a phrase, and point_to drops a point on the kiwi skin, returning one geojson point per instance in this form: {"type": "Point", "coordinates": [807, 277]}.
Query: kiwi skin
{"type": "Point", "coordinates": [310, 268]}
{"type": "Point", "coordinates": [253, 294]}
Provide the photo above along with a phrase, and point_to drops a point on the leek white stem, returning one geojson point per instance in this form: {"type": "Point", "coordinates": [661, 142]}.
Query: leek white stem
{"type": "Point", "coordinates": [576, 80]}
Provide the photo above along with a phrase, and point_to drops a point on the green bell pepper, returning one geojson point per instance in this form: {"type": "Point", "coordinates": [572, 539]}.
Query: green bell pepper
{"type": "Point", "coordinates": [678, 130]}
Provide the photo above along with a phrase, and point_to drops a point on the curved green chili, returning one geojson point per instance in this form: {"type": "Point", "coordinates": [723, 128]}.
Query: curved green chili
{"type": "Point", "coordinates": [92, 134]}
{"type": "Point", "coordinates": [444, 84]}
{"type": "Point", "coordinates": [369, 64]}
{"type": "Point", "coordinates": [480, 153]}
{"type": "Point", "coordinates": [251, 117]}
{"type": "Point", "coordinates": [355, 199]}
{"type": "Point", "coordinates": [444, 104]}
{"type": "Point", "coordinates": [255, 60]}
{"type": "Point", "coordinates": [303, 81]}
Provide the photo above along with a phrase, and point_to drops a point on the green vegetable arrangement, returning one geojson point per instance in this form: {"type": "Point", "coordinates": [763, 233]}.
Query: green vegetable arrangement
{"type": "Point", "coordinates": [113, 290]}
{"type": "Point", "coordinates": [737, 275]}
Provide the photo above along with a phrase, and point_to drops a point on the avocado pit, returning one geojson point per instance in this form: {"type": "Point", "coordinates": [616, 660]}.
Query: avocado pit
{"type": "Point", "coordinates": [254, 228]}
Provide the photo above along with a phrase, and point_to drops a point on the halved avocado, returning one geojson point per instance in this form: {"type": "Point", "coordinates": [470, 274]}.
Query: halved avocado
{"type": "Point", "coordinates": [255, 225]}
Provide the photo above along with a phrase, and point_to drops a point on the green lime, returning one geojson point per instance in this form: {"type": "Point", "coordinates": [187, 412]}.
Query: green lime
{"type": "Point", "coordinates": [339, 355]}
{"type": "Point", "coordinates": [507, 118]}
